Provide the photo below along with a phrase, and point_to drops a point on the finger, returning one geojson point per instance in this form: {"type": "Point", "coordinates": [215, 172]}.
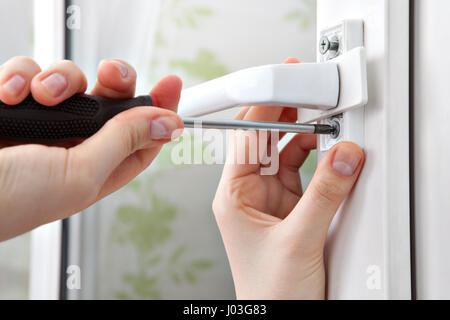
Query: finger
{"type": "Point", "coordinates": [116, 79]}
{"type": "Point", "coordinates": [59, 82]}
{"type": "Point", "coordinates": [292, 158]}
{"type": "Point", "coordinates": [97, 158]}
{"type": "Point", "coordinates": [245, 146]}
{"type": "Point", "coordinates": [291, 60]}
{"type": "Point", "coordinates": [241, 114]}
{"type": "Point", "coordinates": [15, 79]}
{"type": "Point", "coordinates": [334, 179]}
{"type": "Point", "coordinates": [288, 115]}
{"type": "Point", "coordinates": [166, 93]}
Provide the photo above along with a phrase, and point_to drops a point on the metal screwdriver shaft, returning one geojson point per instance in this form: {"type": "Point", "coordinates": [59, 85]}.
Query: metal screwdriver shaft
{"type": "Point", "coordinates": [260, 125]}
{"type": "Point", "coordinates": [81, 116]}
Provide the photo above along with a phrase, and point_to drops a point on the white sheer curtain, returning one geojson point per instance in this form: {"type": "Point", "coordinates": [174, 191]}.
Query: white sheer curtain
{"type": "Point", "coordinates": [157, 237]}
{"type": "Point", "coordinates": [16, 26]}
{"type": "Point", "coordinates": [113, 29]}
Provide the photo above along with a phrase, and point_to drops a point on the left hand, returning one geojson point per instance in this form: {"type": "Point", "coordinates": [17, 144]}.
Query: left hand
{"type": "Point", "coordinates": [274, 235]}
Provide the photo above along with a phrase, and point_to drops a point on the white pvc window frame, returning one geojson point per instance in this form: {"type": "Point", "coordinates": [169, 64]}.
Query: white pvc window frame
{"type": "Point", "coordinates": [368, 252]}
{"type": "Point", "coordinates": [45, 260]}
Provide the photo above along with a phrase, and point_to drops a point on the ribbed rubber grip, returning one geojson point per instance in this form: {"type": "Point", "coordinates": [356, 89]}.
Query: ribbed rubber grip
{"type": "Point", "coordinates": [77, 117]}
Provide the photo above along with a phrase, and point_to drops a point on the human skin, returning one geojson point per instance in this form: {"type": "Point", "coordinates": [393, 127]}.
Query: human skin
{"type": "Point", "coordinates": [40, 184]}
{"type": "Point", "coordinates": [274, 235]}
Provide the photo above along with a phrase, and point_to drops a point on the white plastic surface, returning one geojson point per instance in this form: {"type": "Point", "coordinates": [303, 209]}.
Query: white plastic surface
{"type": "Point", "coordinates": [306, 85]}
{"type": "Point", "coordinates": [367, 252]}
{"type": "Point", "coordinates": [431, 149]}
{"type": "Point", "coordinates": [353, 86]}
{"type": "Point", "coordinates": [351, 129]}
{"type": "Point", "coordinates": [351, 60]}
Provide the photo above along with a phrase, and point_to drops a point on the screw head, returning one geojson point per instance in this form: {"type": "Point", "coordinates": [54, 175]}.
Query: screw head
{"type": "Point", "coordinates": [337, 128]}
{"type": "Point", "coordinates": [324, 45]}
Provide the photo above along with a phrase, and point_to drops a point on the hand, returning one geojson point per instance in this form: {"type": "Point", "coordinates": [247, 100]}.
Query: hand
{"type": "Point", "coordinates": [40, 184]}
{"type": "Point", "coordinates": [274, 235]}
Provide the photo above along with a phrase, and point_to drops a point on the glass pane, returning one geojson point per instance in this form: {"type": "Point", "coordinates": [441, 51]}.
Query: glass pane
{"type": "Point", "coordinates": [157, 237]}
{"type": "Point", "coordinates": [16, 34]}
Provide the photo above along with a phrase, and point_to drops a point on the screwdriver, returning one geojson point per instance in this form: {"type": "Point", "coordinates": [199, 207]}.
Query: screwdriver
{"type": "Point", "coordinates": [286, 127]}
{"type": "Point", "coordinates": [81, 116]}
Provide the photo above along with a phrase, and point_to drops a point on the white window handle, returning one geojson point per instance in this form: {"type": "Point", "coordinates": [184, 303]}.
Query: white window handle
{"type": "Point", "coordinates": [306, 85]}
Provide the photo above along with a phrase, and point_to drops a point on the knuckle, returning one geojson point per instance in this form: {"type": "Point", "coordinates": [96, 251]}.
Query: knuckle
{"type": "Point", "coordinates": [216, 207]}
{"type": "Point", "coordinates": [22, 63]}
{"type": "Point", "coordinates": [21, 60]}
{"type": "Point", "coordinates": [131, 137]}
{"type": "Point", "coordinates": [219, 208]}
{"type": "Point", "coordinates": [327, 191]}
{"type": "Point", "coordinates": [67, 64]}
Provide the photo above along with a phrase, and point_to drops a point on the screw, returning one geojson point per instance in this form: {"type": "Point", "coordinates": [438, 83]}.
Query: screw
{"type": "Point", "coordinates": [326, 45]}
{"type": "Point", "coordinates": [335, 123]}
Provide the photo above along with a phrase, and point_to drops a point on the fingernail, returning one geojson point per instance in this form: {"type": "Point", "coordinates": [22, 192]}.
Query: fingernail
{"type": "Point", "coordinates": [346, 161]}
{"type": "Point", "coordinates": [162, 128]}
{"type": "Point", "coordinates": [56, 84]}
{"type": "Point", "coordinates": [15, 85]}
{"type": "Point", "coordinates": [122, 68]}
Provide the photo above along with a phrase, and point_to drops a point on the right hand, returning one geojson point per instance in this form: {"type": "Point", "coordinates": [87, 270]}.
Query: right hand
{"type": "Point", "coordinates": [40, 184]}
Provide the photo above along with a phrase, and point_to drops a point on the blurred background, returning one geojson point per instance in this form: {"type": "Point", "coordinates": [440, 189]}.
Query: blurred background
{"type": "Point", "coordinates": [157, 237]}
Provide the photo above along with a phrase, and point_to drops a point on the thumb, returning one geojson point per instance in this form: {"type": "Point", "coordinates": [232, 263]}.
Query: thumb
{"type": "Point", "coordinates": [132, 130]}
{"type": "Point", "coordinates": [334, 179]}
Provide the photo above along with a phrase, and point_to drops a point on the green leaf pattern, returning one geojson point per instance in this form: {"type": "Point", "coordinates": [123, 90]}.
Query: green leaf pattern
{"type": "Point", "coordinates": [147, 224]}
{"type": "Point", "coordinates": [303, 15]}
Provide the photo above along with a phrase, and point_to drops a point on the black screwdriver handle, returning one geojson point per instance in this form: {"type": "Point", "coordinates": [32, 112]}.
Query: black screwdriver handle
{"type": "Point", "coordinates": [77, 117]}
